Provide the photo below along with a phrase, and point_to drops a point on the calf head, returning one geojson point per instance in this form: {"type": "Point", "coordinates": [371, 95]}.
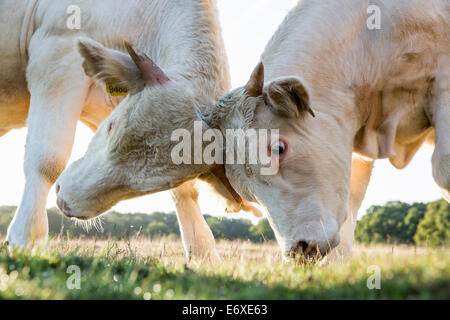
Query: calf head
{"type": "Point", "coordinates": [306, 199]}
{"type": "Point", "coordinates": [130, 153]}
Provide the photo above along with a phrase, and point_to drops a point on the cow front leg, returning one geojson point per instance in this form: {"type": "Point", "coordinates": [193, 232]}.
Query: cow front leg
{"type": "Point", "coordinates": [360, 177]}
{"type": "Point", "coordinates": [198, 240]}
{"type": "Point", "coordinates": [441, 155]}
{"type": "Point", "coordinates": [54, 110]}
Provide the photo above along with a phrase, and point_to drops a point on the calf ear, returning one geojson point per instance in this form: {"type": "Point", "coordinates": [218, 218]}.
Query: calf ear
{"type": "Point", "coordinates": [220, 184]}
{"type": "Point", "coordinates": [288, 97]}
{"type": "Point", "coordinates": [151, 73]}
{"type": "Point", "coordinates": [132, 71]}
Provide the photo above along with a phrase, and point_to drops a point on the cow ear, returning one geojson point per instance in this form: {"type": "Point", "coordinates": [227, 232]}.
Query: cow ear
{"type": "Point", "coordinates": [288, 97]}
{"type": "Point", "coordinates": [228, 191]}
{"type": "Point", "coordinates": [151, 73]}
{"type": "Point", "coordinates": [107, 65]}
{"type": "Point", "coordinates": [255, 85]}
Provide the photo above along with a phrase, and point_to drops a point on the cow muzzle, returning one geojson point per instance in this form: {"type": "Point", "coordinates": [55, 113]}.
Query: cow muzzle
{"type": "Point", "coordinates": [64, 207]}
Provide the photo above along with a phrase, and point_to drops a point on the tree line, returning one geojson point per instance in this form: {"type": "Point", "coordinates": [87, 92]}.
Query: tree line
{"type": "Point", "coordinates": [158, 224]}
{"type": "Point", "coordinates": [398, 222]}
{"type": "Point", "coordinates": [395, 222]}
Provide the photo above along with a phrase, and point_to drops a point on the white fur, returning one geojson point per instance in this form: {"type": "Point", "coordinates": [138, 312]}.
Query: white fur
{"type": "Point", "coordinates": [43, 86]}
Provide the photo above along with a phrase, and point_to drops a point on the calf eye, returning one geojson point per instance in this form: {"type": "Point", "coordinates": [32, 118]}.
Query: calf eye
{"type": "Point", "coordinates": [279, 148]}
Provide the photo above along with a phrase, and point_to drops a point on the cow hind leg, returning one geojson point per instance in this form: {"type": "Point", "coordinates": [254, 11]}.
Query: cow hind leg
{"type": "Point", "coordinates": [55, 108]}
{"type": "Point", "coordinates": [198, 240]}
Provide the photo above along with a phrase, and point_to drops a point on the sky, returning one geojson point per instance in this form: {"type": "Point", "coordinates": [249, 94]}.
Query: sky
{"type": "Point", "coordinates": [247, 26]}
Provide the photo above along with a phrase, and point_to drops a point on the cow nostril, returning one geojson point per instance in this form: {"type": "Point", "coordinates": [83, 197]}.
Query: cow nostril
{"type": "Point", "coordinates": [305, 249]}
{"type": "Point", "coordinates": [57, 188]}
{"type": "Point", "coordinates": [303, 245]}
{"type": "Point", "coordinates": [299, 249]}
{"type": "Point", "coordinates": [63, 206]}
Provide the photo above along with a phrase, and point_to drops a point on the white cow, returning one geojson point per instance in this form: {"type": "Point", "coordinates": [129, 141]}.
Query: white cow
{"type": "Point", "coordinates": [376, 92]}
{"type": "Point", "coordinates": [335, 85]}
{"type": "Point", "coordinates": [44, 87]}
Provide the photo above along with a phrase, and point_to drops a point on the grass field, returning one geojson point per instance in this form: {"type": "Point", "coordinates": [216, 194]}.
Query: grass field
{"type": "Point", "coordinates": [157, 269]}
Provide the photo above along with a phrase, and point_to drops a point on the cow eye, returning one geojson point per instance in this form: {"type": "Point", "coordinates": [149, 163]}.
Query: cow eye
{"type": "Point", "coordinates": [279, 148]}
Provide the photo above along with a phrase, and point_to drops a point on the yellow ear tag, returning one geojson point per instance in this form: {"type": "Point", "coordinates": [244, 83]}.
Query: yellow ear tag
{"type": "Point", "coordinates": [114, 89]}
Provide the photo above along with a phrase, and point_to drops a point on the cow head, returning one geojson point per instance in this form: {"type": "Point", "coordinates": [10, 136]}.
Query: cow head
{"type": "Point", "coordinates": [306, 200]}
{"type": "Point", "coordinates": [130, 153]}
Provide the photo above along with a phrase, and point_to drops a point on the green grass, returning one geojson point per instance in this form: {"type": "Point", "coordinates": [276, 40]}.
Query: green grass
{"type": "Point", "coordinates": [143, 269]}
